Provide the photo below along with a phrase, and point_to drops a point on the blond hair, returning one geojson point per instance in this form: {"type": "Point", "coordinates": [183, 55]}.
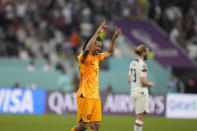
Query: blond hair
{"type": "Point", "coordinates": [140, 49]}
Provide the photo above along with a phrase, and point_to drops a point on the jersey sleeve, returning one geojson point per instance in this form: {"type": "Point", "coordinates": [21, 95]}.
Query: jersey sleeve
{"type": "Point", "coordinates": [143, 70]}
{"type": "Point", "coordinates": [79, 57]}
{"type": "Point", "coordinates": [101, 57]}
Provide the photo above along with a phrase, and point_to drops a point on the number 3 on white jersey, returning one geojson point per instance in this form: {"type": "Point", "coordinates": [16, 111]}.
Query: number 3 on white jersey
{"type": "Point", "coordinates": [133, 70]}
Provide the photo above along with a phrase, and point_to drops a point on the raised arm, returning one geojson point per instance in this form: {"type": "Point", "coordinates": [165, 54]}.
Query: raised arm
{"type": "Point", "coordinates": [111, 48]}
{"type": "Point", "coordinates": [92, 41]}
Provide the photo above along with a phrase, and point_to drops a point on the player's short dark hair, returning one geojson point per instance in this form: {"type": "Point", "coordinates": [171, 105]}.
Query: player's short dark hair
{"type": "Point", "coordinates": [88, 39]}
{"type": "Point", "coordinates": [140, 49]}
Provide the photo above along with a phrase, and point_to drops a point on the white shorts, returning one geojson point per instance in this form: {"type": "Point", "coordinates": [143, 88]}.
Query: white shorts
{"type": "Point", "coordinates": [140, 100]}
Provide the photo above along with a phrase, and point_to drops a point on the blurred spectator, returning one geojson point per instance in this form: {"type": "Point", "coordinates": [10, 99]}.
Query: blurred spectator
{"type": "Point", "coordinates": [191, 86]}
{"type": "Point", "coordinates": [192, 49]}
{"type": "Point", "coordinates": [143, 8]}
{"type": "Point", "coordinates": [104, 65]}
{"type": "Point", "coordinates": [172, 13]}
{"type": "Point", "coordinates": [16, 85]}
{"type": "Point", "coordinates": [2, 48]}
{"type": "Point", "coordinates": [60, 67]}
{"type": "Point", "coordinates": [175, 34]}
{"type": "Point", "coordinates": [32, 86]}
{"type": "Point", "coordinates": [86, 29]}
{"type": "Point", "coordinates": [48, 65]}
{"type": "Point", "coordinates": [31, 66]}
{"type": "Point", "coordinates": [75, 39]}
{"type": "Point", "coordinates": [151, 55]}
{"type": "Point", "coordinates": [191, 83]}
{"type": "Point", "coordinates": [64, 82]}
{"type": "Point", "coordinates": [108, 89]}
{"type": "Point", "coordinates": [67, 47]}
{"type": "Point", "coordinates": [180, 86]}
{"type": "Point", "coordinates": [172, 85]}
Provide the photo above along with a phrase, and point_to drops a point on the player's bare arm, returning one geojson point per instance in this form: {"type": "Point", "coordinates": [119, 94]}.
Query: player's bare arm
{"type": "Point", "coordinates": [129, 79]}
{"type": "Point", "coordinates": [92, 41]}
{"type": "Point", "coordinates": [111, 48]}
{"type": "Point", "coordinates": [145, 83]}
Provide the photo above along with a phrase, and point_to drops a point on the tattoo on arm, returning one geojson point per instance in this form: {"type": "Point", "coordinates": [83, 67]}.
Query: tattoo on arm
{"type": "Point", "coordinates": [116, 36]}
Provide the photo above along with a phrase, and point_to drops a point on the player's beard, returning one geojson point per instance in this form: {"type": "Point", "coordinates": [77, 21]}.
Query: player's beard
{"type": "Point", "coordinates": [98, 51]}
{"type": "Point", "coordinates": [145, 57]}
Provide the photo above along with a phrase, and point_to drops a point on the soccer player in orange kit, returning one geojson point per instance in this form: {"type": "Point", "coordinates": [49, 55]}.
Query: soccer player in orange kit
{"type": "Point", "coordinates": [88, 98]}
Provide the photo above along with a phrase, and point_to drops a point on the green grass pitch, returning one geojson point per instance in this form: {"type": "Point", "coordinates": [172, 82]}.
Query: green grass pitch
{"type": "Point", "coordinates": [10, 122]}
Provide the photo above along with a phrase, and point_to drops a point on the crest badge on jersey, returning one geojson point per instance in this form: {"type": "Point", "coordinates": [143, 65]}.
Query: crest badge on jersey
{"type": "Point", "coordinates": [88, 117]}
{"type": "Point", "coordinates": [144, 68]}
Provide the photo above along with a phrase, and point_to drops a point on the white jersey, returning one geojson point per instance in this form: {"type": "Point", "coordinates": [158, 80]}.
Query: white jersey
{"type": "Point", "coordinates": [139, 94]}
{"type": "Point", "coordinates": [137, 69]}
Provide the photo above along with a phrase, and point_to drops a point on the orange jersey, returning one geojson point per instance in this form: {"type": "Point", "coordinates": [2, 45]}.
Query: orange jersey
{"type": "Point", "coordinates": [89, 72]}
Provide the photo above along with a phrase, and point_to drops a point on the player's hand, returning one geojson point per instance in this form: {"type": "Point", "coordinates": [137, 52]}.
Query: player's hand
{"type": "Point", "coordinates": [102, 27]}
{"type": "Point", "coordinates": [151, 84]}
{"type": "Point", "coordinates": [117, 32]}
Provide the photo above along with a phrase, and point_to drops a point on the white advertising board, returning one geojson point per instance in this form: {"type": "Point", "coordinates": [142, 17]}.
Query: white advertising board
{"type": "Point", "coordinates": [181, 106]}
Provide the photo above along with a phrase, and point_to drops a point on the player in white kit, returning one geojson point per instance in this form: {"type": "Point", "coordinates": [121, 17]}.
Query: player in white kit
{"type": "Point", "coordinates": [137, 77]}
